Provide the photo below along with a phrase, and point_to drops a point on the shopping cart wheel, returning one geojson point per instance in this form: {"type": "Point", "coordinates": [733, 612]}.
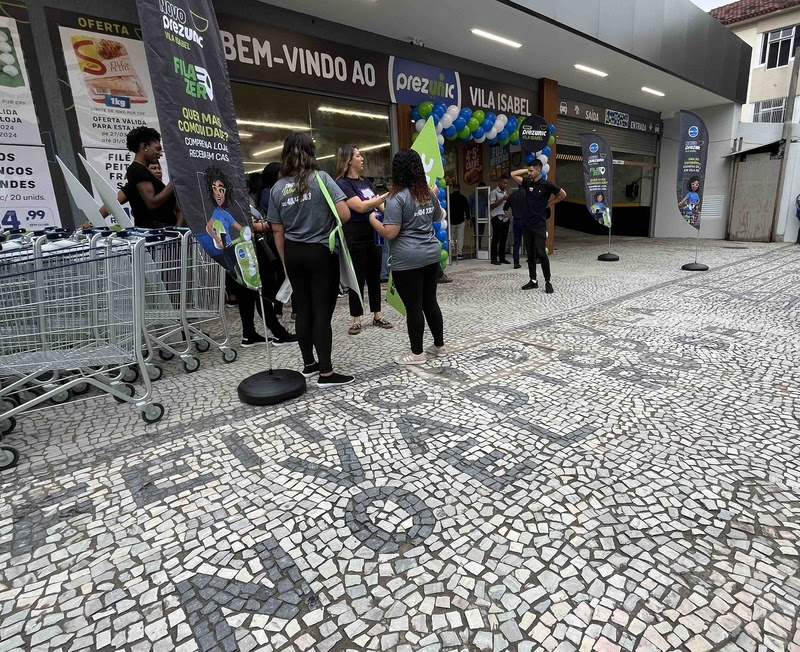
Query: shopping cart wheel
{"type": "Point", "coordinates": [155, 371]}
{"type": "Point", "coordinates": [61, 397]}
{"type": "Point", "coordinates": [80, 389]}
{"type": "Point", "coordinates": [153, 413]}
{"type": "Point", "coordinates": [190, 365]}
{"type": "Point", "coordinates": [126, 389]}
{"type": "Point", "coordinates": [8, 403]}
{"type": "Point", "coordinates": [165, 355]}
{"type": "Point", "coordinates": [202, 346]}
{"type": "Point", "coordinates": [7, 425]}
{"type": "Point", "coordinates": [229, 355]}
{"type": "Point", "coordinates": [130, 375]}
{"type": "Point", "coordinates": [8, 457]}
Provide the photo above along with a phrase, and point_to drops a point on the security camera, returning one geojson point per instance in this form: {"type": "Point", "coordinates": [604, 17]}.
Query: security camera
{"type": "Point", "coordinates": [417, 41]}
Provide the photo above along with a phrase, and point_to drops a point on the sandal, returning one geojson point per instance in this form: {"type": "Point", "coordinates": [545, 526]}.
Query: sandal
{"type": "Point", "coordinates": [382, 322]}
{"type": "Point", "coordinates": [355, 329]}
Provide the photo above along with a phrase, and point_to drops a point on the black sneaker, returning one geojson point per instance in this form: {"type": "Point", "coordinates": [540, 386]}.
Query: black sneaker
{"type": "Point", "coordinates": [255, 340]}
{"type": "Point", "coordinates": [495, 262]}
{"type": "Point", "coordinates": [517, 266]}
{"type": "Point", "coordinates": [531, 285]}
{"type": "Point", "coordinates": [311, 370]}
{"type": "Point", "coordinates": [334, 380]}
{"type": "Point", "coordinates": [548, 287]}
{"type": "Point", "coordinates": [505, 262]}
{"type": "Point", "coordinates": [444, 278]}
{"type": "Point", "coordinates": [283, 341]}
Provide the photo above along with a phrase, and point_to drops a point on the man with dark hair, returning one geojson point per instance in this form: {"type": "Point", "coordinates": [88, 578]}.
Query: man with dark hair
{"type": "Point", "coordinates": [459, 214]}
{"type": "Point", "coordinates": [532, 204]}
{"type": "Point", "coordinates": [497, 198]}
{"type": "Point", "coordinates": [152, 203]}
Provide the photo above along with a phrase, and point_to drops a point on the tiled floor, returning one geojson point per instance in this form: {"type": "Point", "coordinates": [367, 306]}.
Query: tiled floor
{"type": "Point", "coordinates": [615, 466]}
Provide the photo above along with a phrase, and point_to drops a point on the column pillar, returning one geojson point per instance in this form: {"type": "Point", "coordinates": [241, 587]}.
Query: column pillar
{"type": "Point", "coordinates": [548, 109]}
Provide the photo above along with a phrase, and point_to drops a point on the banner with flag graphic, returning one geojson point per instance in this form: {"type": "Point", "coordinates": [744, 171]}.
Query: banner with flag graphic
{"type": "Point", "coordinates": [692, 157]}
{"type": "Point", "coordinates": [427, 146]}
{"type": "Point", "coordinates": [598, 177]}
{"type": "Point", "coordinates": [195, 110]}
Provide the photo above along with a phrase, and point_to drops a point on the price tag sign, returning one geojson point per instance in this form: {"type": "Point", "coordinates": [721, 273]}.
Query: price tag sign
{"type": "Point", "coordinates": [27, 199]}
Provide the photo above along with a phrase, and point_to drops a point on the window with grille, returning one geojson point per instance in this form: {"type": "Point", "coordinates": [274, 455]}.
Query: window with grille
{"type": "Point", "coordinates": [769, 110]}
{"type": "Point", "coordinates": [777, 46]}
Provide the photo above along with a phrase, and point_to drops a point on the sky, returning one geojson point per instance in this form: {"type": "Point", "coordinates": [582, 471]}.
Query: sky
{"type": "Point", "coordinates": [710, 4]}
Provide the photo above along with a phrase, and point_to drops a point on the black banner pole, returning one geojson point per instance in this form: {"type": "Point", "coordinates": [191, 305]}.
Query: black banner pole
{"type": "Point", "coordinates": [692, 157]}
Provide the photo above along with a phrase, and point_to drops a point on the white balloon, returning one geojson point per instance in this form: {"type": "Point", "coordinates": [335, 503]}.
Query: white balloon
{"type": "Point", "coordinates": [440, 138]}
{"type": "Point", "coordinates": [444, 214]}
{"type": "Point", "coordinates": [444, 222]}
{"type": "Point", "coordinates": [502, 119]}
{"type": "Point", "coordinates": [446, 121]}
{"type": "Point", "coordinates": [452, 111]}
{"type": "Point", "coordinates": [546, 168]}
{"type": "Point", "coordinates": [420, 124]}
{"type": "Point", "coordinates": [492, 133]}
{"type": "Point", "coordinates": [481, 139]}
{"type": "Point", "coordinates": [439, 127]}
{"type": "Point", "coordinates": [543, 159]}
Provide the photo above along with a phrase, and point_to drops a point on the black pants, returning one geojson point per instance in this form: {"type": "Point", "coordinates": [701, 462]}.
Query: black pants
{"type": "Point", "coordinates": [249, 303]}
{"type": "Point", "coordinates": [417, 289]}
{"type": "Point", "coordinates": [535, 244]}
{"type": "Point", "coordinates": [366, 257]}
{"type": "Point", "coordinates": [499, 239]}
{"type": "Point", "coordinates": [314, 275]}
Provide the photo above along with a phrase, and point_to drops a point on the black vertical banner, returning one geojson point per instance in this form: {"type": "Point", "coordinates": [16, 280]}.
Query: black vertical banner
{"type": "Point", "coordinates": [195, 109]}
{"type": "Point", "coordinates": [692, 156]}
{"type": "Point", "coordinates": [598, 177]}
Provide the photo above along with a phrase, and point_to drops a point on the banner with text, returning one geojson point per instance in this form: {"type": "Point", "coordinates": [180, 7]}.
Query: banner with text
{"type": "Point", "coordinates": [692, 156]}
{"type": "Point", "coordinates": [27, 198]}
{"type": "Point", "coordinates": [473, 163]}
{"type": "Point", "coordinates": [598, 177]}
{"type": "Point", "coordinates": [18, 124]}
{"type": "Point", "coordinates": [195, 106]}
{"type": "Point", "coordinates": [499, 162]}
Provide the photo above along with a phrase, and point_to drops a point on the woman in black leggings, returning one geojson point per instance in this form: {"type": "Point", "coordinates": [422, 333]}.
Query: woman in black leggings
{"type": "Point", "coordinates": [411, 210]}
{"type": "Point", "coordinates": [301, 223]}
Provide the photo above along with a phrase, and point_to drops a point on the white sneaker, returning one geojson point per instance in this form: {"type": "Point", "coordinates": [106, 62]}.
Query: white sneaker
{"type": "Point", "coordinates": [438, 351]}
{"type": "Point", "coordinates": [411, 358]}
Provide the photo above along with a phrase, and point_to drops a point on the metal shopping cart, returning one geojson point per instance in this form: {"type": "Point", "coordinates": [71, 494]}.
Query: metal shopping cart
{"type": "Point", "coordinates": [70, 314]}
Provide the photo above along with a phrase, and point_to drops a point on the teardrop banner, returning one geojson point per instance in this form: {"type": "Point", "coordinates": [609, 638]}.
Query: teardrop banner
{"type": "Point", "coordinates": [598, 183]}
{"type": "Point", "coordinates": [195, 110]}
{"type": "Point", "coordinates": [534, 132]}
{"type": "Point", "coordinates": [692, 158]}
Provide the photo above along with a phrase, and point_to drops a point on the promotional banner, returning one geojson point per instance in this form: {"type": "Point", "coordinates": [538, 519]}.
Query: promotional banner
{"type": "Point", "coordinates": [499, 162]}
{"type": "Point", "coordinates": [427, 147]}
{"type": "Point", "coordinates": [692, 156]}
{"type": "Point", "coordinates": [451, 167]}
{"type": "Point", "coordinates": [109, 79]}
{"type": "Point", "coordinates": [598, 177]}
{"type": "Point", "coordinates": [473, 163]}
{"type": "Point", "coordinates": [198, 129]}
{"type": "Point", "coordinates": [533, 133]}
{"type": "Point", "coordinates": [18, 124]}
{"type": "Point", "coordinates": [27, 199]}
{"type": "Point", "coordinates": [411, 82]}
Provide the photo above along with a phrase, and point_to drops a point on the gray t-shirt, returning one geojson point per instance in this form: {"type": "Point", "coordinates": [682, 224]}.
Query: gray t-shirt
{"type": "Point", "coordinates": [416, 244]}
{"type": "Point", "coordinates": [307, 219]}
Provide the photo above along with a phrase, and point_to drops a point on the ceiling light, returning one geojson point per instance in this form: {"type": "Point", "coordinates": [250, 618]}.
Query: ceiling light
{"type": "Point", "coordinates": [495, 38]}
{"type": "Point", "coordinates": [591, 71]}
{"type": "Point", "coordinates": [652, 91]}
{"type": "Point", "coordinates": [268, 150]}
{"type": "Point", "coordinates": [357, 114]}
{"type": "Point", "coordinates": [322, 158]}
{"type": "Point", "coordinates": [244, 134]}
{"type": "Point", "coordinates": [370, 148]}
{"type": "Point", "coordinates": [272, 125]}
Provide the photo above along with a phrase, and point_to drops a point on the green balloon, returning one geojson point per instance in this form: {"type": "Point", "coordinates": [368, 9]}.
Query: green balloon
{"type": "Point", "coordinates": [514, 136]}
{"type": "Point", "coordinates": [425, 109]}
{"type": "Point", "coordinates": [551, 140]}
{"type": "Point", "coordinates": [473, 124]}
{"type": "Point", "coordinates": [453, 137]}
{"type": "Point", "coordinates": [465, 132]}
{"type": "Point", "coordinates": [443, 257]}
{"type": "Point", "coordinates": [479, 115]}
{"type": "Point", "coordinates": [414, 136]}
{"type": "Point", "coordinates": [504, 142]}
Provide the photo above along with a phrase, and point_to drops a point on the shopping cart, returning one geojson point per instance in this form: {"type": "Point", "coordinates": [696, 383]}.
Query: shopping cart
{"type": "Point", "coordinates": [71, 317]}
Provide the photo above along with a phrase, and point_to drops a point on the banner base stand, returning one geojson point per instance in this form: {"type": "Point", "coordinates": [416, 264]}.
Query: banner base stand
{"type": "Point", "coordinates": [608, 258]}
{"type": "Point", "coordinates": [271, 387]}
{"type": "Point", "coordinates": [695, 267]}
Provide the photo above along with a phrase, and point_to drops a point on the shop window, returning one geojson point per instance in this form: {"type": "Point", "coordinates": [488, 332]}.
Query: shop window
{"type": "Point", "coordinates": [769, 110]}
{"type": "Point", "coordinates": [777, 47]}
{"type": "Point", "coordinates": [266, 116]}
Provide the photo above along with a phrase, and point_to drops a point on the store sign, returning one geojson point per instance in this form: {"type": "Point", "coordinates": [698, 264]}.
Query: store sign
{"type": "Point", "coordinates": [499, 162]}
{"type": "Point", "coordinates": [473, 163]}
{"type": "Point", "coordinates": [488, 96]}
{"type": "Point", "coordinates": [413, 83]}
{"type": "Point", "coordinates": [607, 116]}
{"type": "Point", "coordinates": [534, 132]}
{"type": "Point", "coordinates": [18, 122]}
{"type": "Point", "coordinates": [27, 198]}
{"type": "Point", "coordinates": [260, 52]}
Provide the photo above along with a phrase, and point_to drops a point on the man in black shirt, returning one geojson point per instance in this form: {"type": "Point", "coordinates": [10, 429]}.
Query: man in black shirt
{"type": "Point", "coordinates": [459, 214]}
{"type": "Point", "coordinates": [532, 203]}
{"type": "Point", "coordinates": [152, 203]}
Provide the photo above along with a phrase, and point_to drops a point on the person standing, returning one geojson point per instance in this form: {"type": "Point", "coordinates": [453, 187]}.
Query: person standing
{"type": "Point", "coordinates": [533, 204]}
{"type": "Point", "coordinates": [497, 198]}
{"type": "Point", "coordinates": [516, 223]}
{"type": "Point", "coordinates": [411, 210]}
{"type": "Point", "coordinates": [362, 200]}
{"type": "Point", "coordinates": [459, 214]}
{"type": "Point", "coordinates": [152, 203]}
{"type": "Point", "coordinates": [301, 223]}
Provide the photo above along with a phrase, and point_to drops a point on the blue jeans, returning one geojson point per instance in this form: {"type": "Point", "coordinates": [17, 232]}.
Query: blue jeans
{"type": "Point", "coordinates": [517, 240]}
{"type": "Point", "coordinates": [384, 259]}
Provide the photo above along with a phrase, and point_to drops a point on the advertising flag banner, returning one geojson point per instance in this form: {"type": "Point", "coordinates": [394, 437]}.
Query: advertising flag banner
{"type": "Point", "coordinates": [198, 128]}
{"type": "Point", "coordinates": [598, 177]}
{"type": "Point", "coordinates": [692, 157]}
{"type": "Point", "coordinates": [534, 132]}
{"type": "Point", "coordinates": [427, 146]}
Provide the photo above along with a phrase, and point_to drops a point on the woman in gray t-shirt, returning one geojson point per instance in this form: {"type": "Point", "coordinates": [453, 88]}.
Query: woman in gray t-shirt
{"type": "Point", "coordinates": [411, 210]}
{"type": "Point", "coordinates": [301, 222]}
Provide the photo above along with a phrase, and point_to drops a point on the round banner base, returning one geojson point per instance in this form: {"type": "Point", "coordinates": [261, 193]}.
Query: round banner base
{"type": "Point", "coordinates": [695, 267]}
{"type": "Point", "coordinates": [608, 258]}
{"type": "Point", "coordinates": [271, 387]}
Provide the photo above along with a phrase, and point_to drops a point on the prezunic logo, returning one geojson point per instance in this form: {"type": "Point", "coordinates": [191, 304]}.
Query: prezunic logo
{"type": "Point", "coordinates": [198, 81]}
{"type": "Point", "coordinates": [174, 20]}
{"type": "Point", "coordinates": [432, 87]}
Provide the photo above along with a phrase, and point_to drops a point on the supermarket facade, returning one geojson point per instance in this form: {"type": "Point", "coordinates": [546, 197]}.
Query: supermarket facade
{"type": "Point", "coordinates": [351, 71]}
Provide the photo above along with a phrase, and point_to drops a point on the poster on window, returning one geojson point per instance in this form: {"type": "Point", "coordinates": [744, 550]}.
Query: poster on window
{"type": "Point", "coordinates": [18, 124]}
{"type": "Point", "coordinates": [598, 179]}
{"type": "Point", "coordinates": [27, 199]}
{"type": "Point", "coordinates": [692, 156]}
{"type": "Point", "coordinates": [499, 162]}
{"type": "Point", "coordinates": [473, 163]}
{"type": "Point", "coordinates": [451, 166]}
{"type": "Point", "coordinates": [110, 84]}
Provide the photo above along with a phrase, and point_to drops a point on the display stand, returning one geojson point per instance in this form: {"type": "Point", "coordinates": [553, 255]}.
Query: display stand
{"type": "Point", "coordinates": [695, 266]}
{"type": "Point", "coordinates": [608, 257]}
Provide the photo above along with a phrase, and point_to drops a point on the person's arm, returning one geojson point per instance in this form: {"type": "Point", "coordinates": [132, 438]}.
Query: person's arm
{"type": "Point", "coordinates": [121, 198]}
{"type": "Point", "coordinates": [359, 205]}
{"type": "Point", "coordinates": [561, 196]}
{"type": "Point", "coordinates": [495, 204]}
{"type": "Point", "coordinates": [343, 210]}
{"type": "Point", "coordinates": [519, 175]}
{"type": "Point", "coordinates": [279, 233]}
{"type": "Point", "coordinates": [179, 219]}
{"type": "Point", "coordinates": [153, 201]}
{"type": "Point", "coordinates": [390, 231]}
{"type": "Point", "coordinates": [213, 234]}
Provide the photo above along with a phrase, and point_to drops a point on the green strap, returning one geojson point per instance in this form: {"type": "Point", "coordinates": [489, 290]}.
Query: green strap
{"type": "Point", "coordinates": [329, 199]}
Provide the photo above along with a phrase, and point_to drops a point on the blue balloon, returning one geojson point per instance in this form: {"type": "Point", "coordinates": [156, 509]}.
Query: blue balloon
{"type": "Point", "coordinates": [552, 129]}
{"type": "Point", "coordinates": [459, 123]}
{"type": "Point", "coordinates": [492, 141]}
{"type": "Point", "coordinates": [503, 134]}
{"type": "Point", "coordinates": [492, 117]}
{"type": "Point", "coordinates": [511, 124]}
{"type": "Point", "coordinates": [544, 176]}
{"type": "Point", "coordinates": [442, 194]}
{"type": "Point", "coordinates": [466, 113]}
{"type": "Point", "coordinates": [441, 235]}
{"type": "Point", "coordinates": [444, 161]}
{"type": "Point", "coordinates": [440, 106]}
{"type": "Point", "coordinates": [449, 132]}
{"type": "Point", "coordinates": [443, 203]}
{"type": "Point", "coordinates": [529, 158]}
{"type": "Point", "coordinates": [437, 115]}
{"type": "Point", "coordinates": [478, 133]}
{"type": "Point", "coordinates": [415, 114]}
{"type": "Point", "coordinates": [441, 149]}
{"type": "Point", "coordinates": [446, 245]}
{"type": "Point", "coordinates": [487, 125]}
{"type": "Point", "coordinates": [466, 139]}
{"type": "Point", "coordinates": [437, 226]}
{"type": "Point", "coordinates": [515, 142]}
{"type": "Point", "coordinates": [547, 151]}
